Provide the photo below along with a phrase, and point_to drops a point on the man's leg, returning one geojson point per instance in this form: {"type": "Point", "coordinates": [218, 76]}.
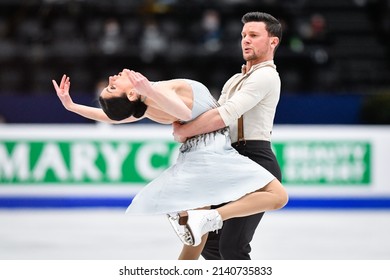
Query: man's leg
{"type": "Point", "coordinates": [263, 155]}
{"type": "Point", "coordinates": [211, 248]}
{"type": "Point", "coordinates": [238, 232]}
{"type": "Point", "coordinates": [234, 243]}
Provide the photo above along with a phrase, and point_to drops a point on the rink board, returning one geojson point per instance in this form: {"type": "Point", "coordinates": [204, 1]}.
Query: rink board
{"type": "Point", "coordinates": [104, 166]}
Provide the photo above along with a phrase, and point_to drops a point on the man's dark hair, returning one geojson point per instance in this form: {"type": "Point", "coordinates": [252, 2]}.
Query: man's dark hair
{"type": "Point", "coordinates": [272, 25]}
{"type": "Point", "coordinates": [120, 108]}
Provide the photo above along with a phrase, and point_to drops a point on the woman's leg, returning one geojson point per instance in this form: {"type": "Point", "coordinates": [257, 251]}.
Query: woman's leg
{"type": "Point", "coordinates": [271, 197]}
{"type": "Point", "coordinates": [192, 252]}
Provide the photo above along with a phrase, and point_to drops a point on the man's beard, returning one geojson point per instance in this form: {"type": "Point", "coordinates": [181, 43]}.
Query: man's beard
{"type": "Point", "coordinates": [250, 57]}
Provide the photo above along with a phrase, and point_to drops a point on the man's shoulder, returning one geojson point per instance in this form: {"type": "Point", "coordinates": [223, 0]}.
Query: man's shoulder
{"type": "Point", "coordinates": [233, 79]}
{"type": "Point", "coordinates": [266, 72]}
{"type": "Point", "coordinates": [235, 76]}
{"type": "Point", "coordinates": [266, 66]}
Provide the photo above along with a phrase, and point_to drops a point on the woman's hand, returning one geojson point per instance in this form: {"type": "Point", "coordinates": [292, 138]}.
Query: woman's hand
{"type": "Point", "coordinates": [140, 83]}
{"type": "Point", "coordinates": [63, 92]}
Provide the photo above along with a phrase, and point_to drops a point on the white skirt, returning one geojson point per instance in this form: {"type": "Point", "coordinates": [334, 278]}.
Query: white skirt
{"type": "Point", "coordinates": [208, 171]}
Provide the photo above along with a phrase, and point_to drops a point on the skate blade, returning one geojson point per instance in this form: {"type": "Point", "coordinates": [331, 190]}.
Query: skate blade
{"type": "Point", "coordinates": [181, 231]}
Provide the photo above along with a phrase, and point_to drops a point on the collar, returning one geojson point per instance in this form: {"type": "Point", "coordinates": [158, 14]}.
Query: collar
{"type": "Point", "coordinates": [257, 66]}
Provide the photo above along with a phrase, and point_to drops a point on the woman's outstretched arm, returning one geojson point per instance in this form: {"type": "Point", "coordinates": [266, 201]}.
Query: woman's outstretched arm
{"type": "Point", "coordinates": [88, 112]}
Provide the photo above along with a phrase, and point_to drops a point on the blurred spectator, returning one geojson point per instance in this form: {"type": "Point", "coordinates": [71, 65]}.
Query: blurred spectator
{"type": "Point", "coordinates": [211, 27]}
{"type": "Point", "coordinates": [112, 41]}
{"type": "Point", "coordinates": [313, 30]}
{"type": "Point", "coordinates": [153, 42]}
{"type": "Point", "coordinates": [322, 42]}
{"type": "Point", "coordinates": [318, 28]}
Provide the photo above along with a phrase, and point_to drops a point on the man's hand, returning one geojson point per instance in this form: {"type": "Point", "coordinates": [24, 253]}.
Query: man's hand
{"type": "Point", "coordinates": [176, 133]}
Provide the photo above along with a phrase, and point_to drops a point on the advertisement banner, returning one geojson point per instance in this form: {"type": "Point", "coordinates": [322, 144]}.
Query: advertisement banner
{"type": "Point", "coordinates": [324, 163]}
{"type": "Point", "coordinates": [85, 161]}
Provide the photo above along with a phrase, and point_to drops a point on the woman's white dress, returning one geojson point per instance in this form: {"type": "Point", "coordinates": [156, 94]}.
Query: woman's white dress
{"type": "Point", "coordinates": [208, 171]}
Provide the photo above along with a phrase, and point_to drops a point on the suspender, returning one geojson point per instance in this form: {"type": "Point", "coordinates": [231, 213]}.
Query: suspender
{"type": "Point", "coordinates": [240, 135]}
{"type": "Point", "coordinates": [240, 129]}
{"type": "Point", "coordinates": [231, 88]}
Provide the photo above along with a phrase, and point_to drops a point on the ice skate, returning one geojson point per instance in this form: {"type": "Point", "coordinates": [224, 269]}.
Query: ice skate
{"type": "Point", "coordinates": [201, 222]}
{"type": "Point", "coordinates": [180, 229]}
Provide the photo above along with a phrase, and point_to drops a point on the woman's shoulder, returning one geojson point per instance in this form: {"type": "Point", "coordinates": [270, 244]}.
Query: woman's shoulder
{"type": "Point", "coordinates": [177, 85]}
{"type": "Point", "coordinates": [173, 83]}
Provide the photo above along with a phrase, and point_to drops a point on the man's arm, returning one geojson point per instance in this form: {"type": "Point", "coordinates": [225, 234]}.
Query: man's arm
{"type": "Point", "coordinates": [207, 122]}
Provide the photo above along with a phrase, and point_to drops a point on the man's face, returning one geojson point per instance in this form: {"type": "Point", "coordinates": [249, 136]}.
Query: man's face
{"type": "Point", "coordinates": [257, 46]}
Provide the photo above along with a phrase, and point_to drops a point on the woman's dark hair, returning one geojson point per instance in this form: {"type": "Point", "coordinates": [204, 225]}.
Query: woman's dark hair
{"type": "Point", "coordinates": [272, 25]}
{"type": "Point", "coordinates": [120, 108]}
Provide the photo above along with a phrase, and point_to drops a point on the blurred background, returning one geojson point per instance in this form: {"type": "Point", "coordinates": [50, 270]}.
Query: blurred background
{"type": "Point", "coordinates": [64, 188]}
{"type": "Point", "coordinates": [334, 53]}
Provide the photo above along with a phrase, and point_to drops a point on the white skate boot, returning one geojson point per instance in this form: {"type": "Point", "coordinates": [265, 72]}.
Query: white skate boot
{"type": "Point", "coordinates": [201, 222]}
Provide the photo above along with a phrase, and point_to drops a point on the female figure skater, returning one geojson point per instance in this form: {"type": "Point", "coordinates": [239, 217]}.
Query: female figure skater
{"type": "Point", "coordinates": [208, 170]}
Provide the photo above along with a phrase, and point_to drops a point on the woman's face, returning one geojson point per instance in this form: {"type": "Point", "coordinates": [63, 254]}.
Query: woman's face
{"type": "Point", "coordinates": [117, 85]}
